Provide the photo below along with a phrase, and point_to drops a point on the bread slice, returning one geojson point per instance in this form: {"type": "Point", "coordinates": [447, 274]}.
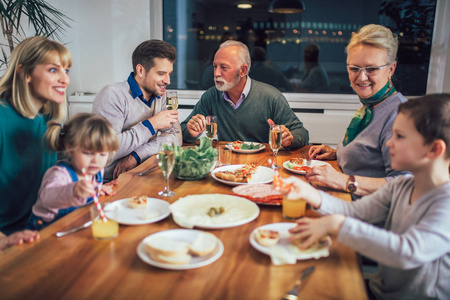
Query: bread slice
{"type": "Point", "coordinates": [204, 244]}
{"type": "Point", "coordinates": [173, 260]}
{"type": "Point", "coordinates": [267, 238]}
{"type": "Point", "coordinates": [167, 247]}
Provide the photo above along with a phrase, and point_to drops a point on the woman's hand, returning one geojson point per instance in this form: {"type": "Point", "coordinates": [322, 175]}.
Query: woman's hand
{"type": "Point", "coordinates": [328, 176]}
{"type": "Point", "coordinates": [311, 230]}
{"type": "Point", "coordinates": [322, 152]}
{"type": "Point", "coordinates": [17, 238]}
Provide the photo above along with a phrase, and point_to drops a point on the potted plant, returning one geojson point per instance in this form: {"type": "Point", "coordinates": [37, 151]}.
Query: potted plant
{"type": "Point", "coordinates": [42, 17]}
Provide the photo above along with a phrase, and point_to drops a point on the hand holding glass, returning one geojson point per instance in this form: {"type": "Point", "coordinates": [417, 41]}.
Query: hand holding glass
{"type": "Point", "coordinates": [171, 100]}
{"type": "Point", "coordinates": [211, 127]}
{"type": "Point", "coordinates": [166, 159]}
{"type": "Point", "coordinates": [275, 142]}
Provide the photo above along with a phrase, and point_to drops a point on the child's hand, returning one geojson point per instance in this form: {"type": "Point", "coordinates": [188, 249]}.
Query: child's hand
{"type": "Point", "coordinates": [107, 188]}
{"type": "Point", "coordinates": [301, 189]}
{"type": "Point", "coordinates": [84, 189]}
{"type": "Point", "coordinates": [309, 231]}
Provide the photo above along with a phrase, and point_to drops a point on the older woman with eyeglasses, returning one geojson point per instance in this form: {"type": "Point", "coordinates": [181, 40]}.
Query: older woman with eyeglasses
{"type": "Point", "coordinates": [363, 155]}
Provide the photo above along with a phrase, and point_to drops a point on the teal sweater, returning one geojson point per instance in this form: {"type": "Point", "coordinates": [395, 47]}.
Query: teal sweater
{"type": "Point", "coordinates": [249, 121]}
{"type": "Point", "coordinates": [23, 162]}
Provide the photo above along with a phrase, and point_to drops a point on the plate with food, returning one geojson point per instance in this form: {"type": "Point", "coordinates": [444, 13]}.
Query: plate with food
{"type": "Point", "coordinates": [299, 165]}
{"type": "Point", "coordinates": [243, 174]}
{"type": "Point", "coordinates": [213, 211]}
{"type": "Point", "coordinates": [245, 147]}
{"type": "Point", "coordinates": [264, 194]}
{"type": "Point", "coordinates": [270, 237]}
{"type": "Point", "coordinates": [137, 210]}
{"type": "Point", "coordinates": [180, 249]}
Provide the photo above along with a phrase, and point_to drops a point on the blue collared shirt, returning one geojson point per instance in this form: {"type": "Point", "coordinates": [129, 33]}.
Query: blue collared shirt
{"type": "Point", "coordinates": [243, 95]}
{"type": "Point", "coordinates": [136, 92]}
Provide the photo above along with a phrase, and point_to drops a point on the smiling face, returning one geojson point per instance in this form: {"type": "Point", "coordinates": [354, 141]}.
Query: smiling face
{"type": "Point", "coordinates": [228, 69]}
{"type": "Point", "coordinates": [91, 161]}
{"type": "Point", "coordinates": [368, 56]}
{"type": "Point", "coordinates": [406, 146]}
{"type": "Point", "coordinates": [48, 82]}
{"type": "Point", "coordinates": [155, 81]}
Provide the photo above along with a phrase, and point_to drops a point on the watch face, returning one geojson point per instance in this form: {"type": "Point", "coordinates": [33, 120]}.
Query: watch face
{"type": "Point", "coordinates": [351, 187]}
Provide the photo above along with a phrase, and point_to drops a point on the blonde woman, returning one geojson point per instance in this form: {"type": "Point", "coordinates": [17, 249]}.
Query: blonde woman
{"type": "Point", "coordinates": [363, 155]}
{"type": "Point", "coordinates": [32, 91]}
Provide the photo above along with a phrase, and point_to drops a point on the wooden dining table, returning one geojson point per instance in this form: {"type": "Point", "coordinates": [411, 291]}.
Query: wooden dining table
{"type": "Point", "coordinates": [77, 266]}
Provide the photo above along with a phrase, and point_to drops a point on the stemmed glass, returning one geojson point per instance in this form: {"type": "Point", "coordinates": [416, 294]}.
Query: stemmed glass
{"type": "Point", "coordinates": [275, 142]}
{"type": "Point", "coordinates": [166, 159]}
{"type": "Point", "coordinates": [211, 127]}
{"type": "Point", "coordinates": [171, 103]}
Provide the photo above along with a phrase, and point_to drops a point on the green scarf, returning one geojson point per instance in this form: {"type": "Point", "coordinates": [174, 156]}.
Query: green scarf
{"type": "Point", "coordinates": [363, 116]}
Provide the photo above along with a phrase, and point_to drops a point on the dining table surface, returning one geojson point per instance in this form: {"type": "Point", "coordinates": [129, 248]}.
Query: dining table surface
{"type": "Point", "coordinates": [77, 266]}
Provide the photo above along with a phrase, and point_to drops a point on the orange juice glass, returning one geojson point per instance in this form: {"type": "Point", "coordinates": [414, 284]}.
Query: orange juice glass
{"type": "Point", "coordinates": [102, 230]}
{"type": "Point", "coordinates": [293, 208]}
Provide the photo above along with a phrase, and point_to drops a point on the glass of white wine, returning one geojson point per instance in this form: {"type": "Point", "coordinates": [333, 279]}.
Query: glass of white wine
{"type": "Point", "coordinates": [166, 159]}
{"type": "Point", "coordinates": [171, 100]}
{"type": "Point", "coordinates": [211, 127]}
{"type": "Point", "coordinates": [275, 142]}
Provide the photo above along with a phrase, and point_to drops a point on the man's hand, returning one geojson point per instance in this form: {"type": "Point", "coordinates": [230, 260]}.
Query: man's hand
{"type": "Point", "coordinates": [286, 136]}
{"type": "Point", "coordinates": [164, 119]}
{"type": "Point", "coordinates": [125, 164]}
{"type": "Point", "coordinates": [196, 125]}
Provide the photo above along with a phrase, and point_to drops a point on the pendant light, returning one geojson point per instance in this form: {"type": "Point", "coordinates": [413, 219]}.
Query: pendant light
{"type": "Point", "coordinates": [287, 6]}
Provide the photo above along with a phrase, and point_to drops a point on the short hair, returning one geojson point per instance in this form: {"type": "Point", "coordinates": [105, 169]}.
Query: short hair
{"type": "Point", "coordinates": [377, 36]}
{"type": "Point", "coordinates": [13, 85]}
{"type": "Point", "coordinates": [147, 51]}
{"type": "Point", "coordinates": [431, 116]}
{"type": "Point", "coordinates": [83, 131]}
{"type": "Point", "coordinates": [311, 53]}
{"type": "Point", "coordinates": [243, 52]}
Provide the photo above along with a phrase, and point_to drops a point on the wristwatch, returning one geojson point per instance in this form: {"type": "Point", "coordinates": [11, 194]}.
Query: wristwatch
{"type": "Point", "coordinates": [352, 185]}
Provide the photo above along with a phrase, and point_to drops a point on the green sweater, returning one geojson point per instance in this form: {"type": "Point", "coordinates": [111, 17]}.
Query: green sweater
{"type": "Point", "coordinates": [23, 162]}
{"type": "Point", "coordinates": [249, 121]}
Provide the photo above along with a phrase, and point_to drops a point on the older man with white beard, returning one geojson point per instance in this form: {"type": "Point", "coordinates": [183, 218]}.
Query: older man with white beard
{"type": "Point", "coordinates": [245, 108]}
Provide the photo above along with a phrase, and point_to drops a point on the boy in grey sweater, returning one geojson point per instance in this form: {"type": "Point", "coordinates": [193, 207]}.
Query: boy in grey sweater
{"type": "Point", "coordinates": [413, 249]}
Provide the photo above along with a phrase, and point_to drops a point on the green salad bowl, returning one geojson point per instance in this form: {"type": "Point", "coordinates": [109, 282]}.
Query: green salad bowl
{"type": "Point", "coordinates": [193, 169]}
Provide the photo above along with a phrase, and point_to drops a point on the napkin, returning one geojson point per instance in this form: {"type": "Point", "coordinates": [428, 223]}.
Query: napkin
{"type": "Point", "coordinates": [281, 256]}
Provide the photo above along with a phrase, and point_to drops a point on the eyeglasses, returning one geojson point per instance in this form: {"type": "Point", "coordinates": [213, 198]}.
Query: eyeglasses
{"type": "Point", "coordinates": [369, 71]}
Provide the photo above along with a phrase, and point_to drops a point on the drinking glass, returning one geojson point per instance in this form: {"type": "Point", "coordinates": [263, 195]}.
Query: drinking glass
{"type": "Point", "coordinates": [275, 142]}
{"type": "Point", "coordinates": [171, 103]}
{"type": "Point", "coordinates": [166, 159]}
{"type": "Point", "coordinates": [104, 229]}
{"type": "Point", "coordinates": [211, 127]}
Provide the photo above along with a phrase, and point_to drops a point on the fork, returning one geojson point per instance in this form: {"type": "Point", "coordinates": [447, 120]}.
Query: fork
{"type": "Point", "coordinates": [148, 171]}
{"type": "Point", "coordinates": [293, 294]}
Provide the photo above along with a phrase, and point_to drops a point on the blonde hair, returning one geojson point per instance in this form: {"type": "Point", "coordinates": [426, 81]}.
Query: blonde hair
{"type": "Point", "coordinates": [83, 131]}
{"type": "Point", "coordinates": [377, 36]}
{"type": "Point", "coordinates": [13, 85]}
{"type": "Point", "coordinates": [243, 52]}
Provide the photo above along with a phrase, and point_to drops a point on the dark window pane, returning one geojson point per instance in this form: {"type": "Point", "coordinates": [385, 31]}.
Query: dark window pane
{"type": "Point", "coordinates": [197, 27]}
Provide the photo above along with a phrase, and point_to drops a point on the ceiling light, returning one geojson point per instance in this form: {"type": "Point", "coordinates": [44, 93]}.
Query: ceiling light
{"type": "Point", "coordinates": [245, 5]}
{"type": "Point", "coordinates": [287, 6]}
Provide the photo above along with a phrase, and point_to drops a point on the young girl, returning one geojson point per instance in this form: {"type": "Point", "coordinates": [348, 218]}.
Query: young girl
{"type": "Point", "coordinates": [88, 140]}
{"type": "Point", "coordinates": [32, 91]}
{"type": "Point", "coordinates": [413, 250]}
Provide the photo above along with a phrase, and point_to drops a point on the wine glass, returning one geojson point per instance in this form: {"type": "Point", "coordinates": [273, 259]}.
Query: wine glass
{"type": "Point", "coordinates": [171, 103]}
{"type": "Point", "coordinates": [275, 142]}
{"type": "Point", "coordinates": [211, 127]}
{"type": "Point", "coordinates": [166, 159]}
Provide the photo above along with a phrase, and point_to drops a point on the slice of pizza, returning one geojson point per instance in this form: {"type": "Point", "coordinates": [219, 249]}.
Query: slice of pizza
{"type": "Point", "coordinates": [237, 144]}
{"type": "Point", "coordinates": [267, 238]}
{"type": "Point", "coordinates": [243, 174]}
{"type": "Point", "coordinates": [296, 161]}
{"type": "Point", "coordinates": [297, 164]}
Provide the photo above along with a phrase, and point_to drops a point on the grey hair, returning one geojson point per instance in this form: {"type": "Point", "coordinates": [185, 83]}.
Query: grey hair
{"type": "Point", "coordinates": [377, 36]}
{"type": "Point", "coordinates": [243, 52]}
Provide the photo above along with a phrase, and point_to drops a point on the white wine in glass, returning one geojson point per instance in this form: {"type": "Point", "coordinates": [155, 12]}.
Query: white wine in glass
{"type": "Point", "coordinates": [275, 142]}
{"type": "Point", "coordinates": [166, 159]}
{"type": "Point", "coordinates": [171, 100]}
{"type": "Point", "coordinates": [211, 127]}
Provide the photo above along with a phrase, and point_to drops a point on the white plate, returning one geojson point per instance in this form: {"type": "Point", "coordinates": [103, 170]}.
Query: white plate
{"type": "Point", "coordinates": [184, 235]}
{"type": "Point", "coordinates": [316, 252]}
{"type": "Point", "coordinates": [261, 146]}
{"type": "Point", "coordinates": [155, 211]}
{"type": "Point", "coordinates": [192, 211]}
{"type": "Point", "coordinates": [262, 175]}
{"type": "Point", "coordinates": [314, 163]}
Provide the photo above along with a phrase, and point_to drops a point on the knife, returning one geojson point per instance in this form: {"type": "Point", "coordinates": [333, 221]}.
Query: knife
{"type": "Point", "coordinates": [63, 233]}
{"type": "Point", "coordinates": [293, 294]}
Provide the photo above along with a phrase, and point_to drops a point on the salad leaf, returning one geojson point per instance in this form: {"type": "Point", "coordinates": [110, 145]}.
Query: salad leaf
{"type": "Point", "coordinates": [250, 146]}
{"type": "Point", "coordinates": [196, 162]}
